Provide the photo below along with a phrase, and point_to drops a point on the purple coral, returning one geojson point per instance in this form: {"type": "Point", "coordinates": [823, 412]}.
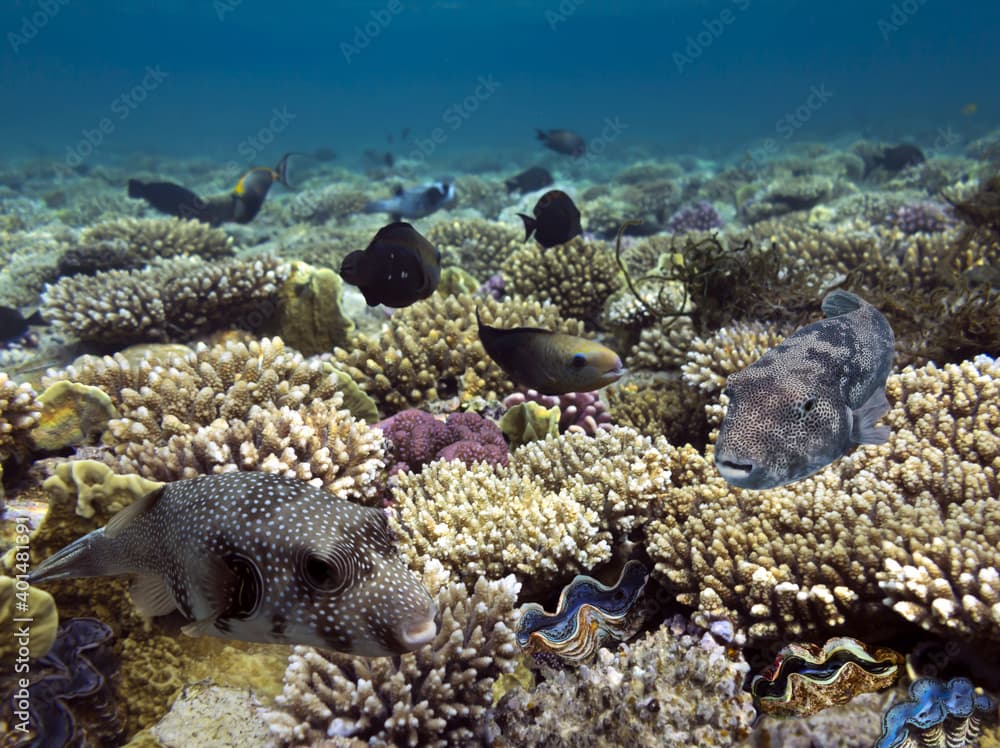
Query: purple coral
{"type": "Point", "coordinates": [919, 217]}
{"type": "Point", "coordinates": [579, 411]}
{"type": "Point", "coordinates": [418, 438]}
{"type": "Point", "coordinates": [493, 287]}
{"type": "Point", "coordinates": [699, 216]}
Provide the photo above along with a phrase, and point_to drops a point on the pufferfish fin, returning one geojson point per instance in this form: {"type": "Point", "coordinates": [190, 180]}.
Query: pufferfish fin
{"type": "Point", "coordinates": [130, 513]}
{"type": "Point", "coordinates": [214, 585]}
{"type": "Point", "coordinates": [840, 302]}
{"type": "Point", "coordinates": [863, 428]}
{"type": "Point", "coordinates": [204, 627]}
{"type": "Point", "coordinates": [152, 596]}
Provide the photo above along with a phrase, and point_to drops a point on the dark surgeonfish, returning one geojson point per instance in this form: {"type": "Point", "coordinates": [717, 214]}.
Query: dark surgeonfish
{"type": "Point", "coordinates": [416, 202]}
{"type": "Point", "coordinates": [553, 363]}
{"type": "Point", "coordinates": [563, 141]}
{"type": "Point", "coordinates": [809, 400]}
{"type": "Point", "coordinates": [529, 180]}
{"type": "Point", "coordinates": [556, 221]}
{"type": "Point", "coordinates": [241, 205]}
{"type": "Point", "coordinates": [260, 557]}
{"type": "Point", "coordinates": [397, 268]}
{"type": "Point", "coordinates": [14, 325]}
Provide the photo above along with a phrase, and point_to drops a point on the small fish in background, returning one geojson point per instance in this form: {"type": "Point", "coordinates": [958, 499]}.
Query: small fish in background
{"type": "Point", "coordinates": [397, 268]}
{"type": "Point", "coordinates": [260, 557]}
{"type": "Point", "coordinates": [416, 202]}
{"type": "Point", "coordinates": [969, 109]}
{"type": "Point", "coordinates": [563, 141]}
{"type": "Point", "coordinates": [553, 363]}
{"type": "Point", "coordinates": [893, 159]}
{"type": "Point", "coordinates": [529, 180]}
{"type": "Point", "coordinates": [239, 206]}
{"type": "Point", "coordinates": [13, 324]}
{"type": "Point", "coordinates": [809, 400]}
{"type": "Point", "coordinates": [556, 221]}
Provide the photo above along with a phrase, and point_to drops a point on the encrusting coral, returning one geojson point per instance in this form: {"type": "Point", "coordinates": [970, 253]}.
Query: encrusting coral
{"type": "Point", "coordinates": [235, 407]}
{"type": "Point", "coordinates": [558, 507]}
{"type": "Point", "coordinates": [431, 350]}
{"type": "Point", "coordinates": [440, 695]}
{"type": "Point", "coordinates": [174, 299]}
{"type": "Point", "coordinates": [19, 414]}
{"type": "Point", "coordinates": [675, 687]}
{"type": "Point", "coordinates": [151, 238]}
{"type": "Point", "coordinates": [908, 526]}
{"type": "Point", "coordinates": [578, 276]}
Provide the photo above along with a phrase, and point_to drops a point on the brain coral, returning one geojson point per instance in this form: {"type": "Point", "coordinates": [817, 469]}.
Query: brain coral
{"type": "Point", "coordinates": [559, 506]}
{"type": "Point", "coordinates": [174, 299]}
{"type": "Point", "coordinates": [913, 524]}
{"type": "Point", "coordinates": [431, 350]}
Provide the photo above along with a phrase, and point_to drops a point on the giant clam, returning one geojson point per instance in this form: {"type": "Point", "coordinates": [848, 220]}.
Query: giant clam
{"type": "Point", "coordinates": [937, 714]}
{"type": "Point", "coordinates": [807, 678]}
{"type": "Point", "coordinates": [589, 614]}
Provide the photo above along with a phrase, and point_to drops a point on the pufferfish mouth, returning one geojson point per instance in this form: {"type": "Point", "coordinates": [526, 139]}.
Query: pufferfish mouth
{"type": "Point", "coordinates": [733, 471]}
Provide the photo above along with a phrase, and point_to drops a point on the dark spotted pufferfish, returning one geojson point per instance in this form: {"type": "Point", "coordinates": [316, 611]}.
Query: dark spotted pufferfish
{"type": "Point", "coordinates": [260, 557]}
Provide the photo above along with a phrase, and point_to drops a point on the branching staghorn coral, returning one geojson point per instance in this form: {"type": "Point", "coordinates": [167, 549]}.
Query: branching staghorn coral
{"type": "Point", "coordinates": [431, 350]}
{"type": "Point", "coordinates": [173, 299]}
{"type": "Point", "coordinates": [235, 407]}
{"type": "Point", "coordinates": [152, 238]}
{"type": "Point", "coordinates": [910, 525]}
{"type": "Point", "coordinates": [19, 413]}
{"type": "Point", "coordinates": [731, 349]}
{"type": "Point", "coordinates": [558, 507]}
{"type": "Point", "coordinates": [440, 695]}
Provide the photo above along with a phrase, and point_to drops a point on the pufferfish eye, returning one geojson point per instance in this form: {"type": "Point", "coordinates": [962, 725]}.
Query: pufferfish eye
{"type": "Point", "coordinates": [323, 573]}
{"type": "Point", "coordinates": [579, 360]}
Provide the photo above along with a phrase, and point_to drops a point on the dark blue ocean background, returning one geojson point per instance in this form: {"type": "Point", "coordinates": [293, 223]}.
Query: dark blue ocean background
{"type": "Point", "coordinates": [711, 78]}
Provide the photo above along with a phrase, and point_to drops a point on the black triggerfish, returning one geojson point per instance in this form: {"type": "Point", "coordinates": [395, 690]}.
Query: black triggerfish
{"type": "Point", "coordinates": [563, 141]}
{"type": "Point", "coordinates": [553, 363]}
{"type": "Point", "coordinates": [397, 268]}
{"type": "Point", "coordinates": [556, 221]}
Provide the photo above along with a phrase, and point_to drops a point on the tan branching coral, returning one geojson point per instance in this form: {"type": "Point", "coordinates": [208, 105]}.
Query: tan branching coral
{"type": "Point", "coordinates": [476, 245]}
{"type": "Point", "coordinates": [558, 507]}
{"type": "Point", "coordinates": [235, 407]}
{"type": "Point", "coordinates": [168, 300]}
{"type": "Point", "coordinates": [913, 521]}
{"type": "Point", "coordinates": [643, 694]}
{"type": "Point", "coordinates": [431, 350]}
{"type": "Point", "coordinates": [488, 196]}
{"type": "Point", "coordinates": [440, 695]}
{"type": "Point", "coordinates": [20, 411]}
{"type": "Point", "coordinates": [656, 405]}
{"type": "Point", "coordinates": [731, 349]}
{"type": "Point", "coordinates": [151, 238]}
{"type": "Point", "coordinates": [578, 276]}
{"type": "Point", "coordinates": [663, 345]}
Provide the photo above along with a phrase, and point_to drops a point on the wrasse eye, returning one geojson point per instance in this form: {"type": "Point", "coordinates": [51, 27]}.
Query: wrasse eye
{"type": "Point", "coordinates": [579, 360]}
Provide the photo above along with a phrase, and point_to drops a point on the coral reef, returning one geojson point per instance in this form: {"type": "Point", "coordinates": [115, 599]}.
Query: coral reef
{"type": "Point", "coordinates": [699, 216]}
{"type": "Point", "coordinates": [924, 216]}
{"type": "Point", "coordinates": [175, 299]}
{"type": "Point", "coordinates": [418, 438]}
{"type": "Point", "coordinates": [911, 522]}
{"type": "Point", "coordinates": [39, 608]}
{"type": "Point", "coordinates": [20, 412]}
{"type": "Point", "coordinates": [438, 696]}
{"type": "Point", "coordinates": [310, 315]}
{"type": "Point", "coordinates": [785, 195]}
{"type": "Point", "coordinates": [161, 238]}
{"type": "Point", "coordinates": [659, 405]}
{"type": "Point", "coordinates": [588, 616]}
{"type": "Point", "coordinates": [431, 351]}
{"type": "Point", "coordinates": [488, 196]}
{"type": "Point", "coordinates": [675, 687]}
{"type": "Point", "coordinates": [560, 506]}
{"type": "Point", "coordinates": [212, 716]}
{"type": "Point", "coordinates": [72, 414]}
{"type": "Point", "coordinates": [807, 678]}
{"type": "Point", "coordinates": [578, 276]}
{"type": "Point", "coordinates": [28, 260]}
{"type": "Point", "coordinates": [478, 246]}
{"type": "Point", "coordinates": [852, 725]}
{"type": "Point", "coordinates": [529, 421]}
{"type": "Point", "coordinates": [729, 350]}
{"type": "Point", "coordinates": [235, 407]}
{"type": "Point", "coordinates": [939, 713]}
{"type": "Point", "coordinates": [584, 412]}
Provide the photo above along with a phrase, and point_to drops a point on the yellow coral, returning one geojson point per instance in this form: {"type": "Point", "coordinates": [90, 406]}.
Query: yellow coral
{"type": "Point", "coordinates": [29, 622]}
{"type": "Point", "coordinates": [72, 414]}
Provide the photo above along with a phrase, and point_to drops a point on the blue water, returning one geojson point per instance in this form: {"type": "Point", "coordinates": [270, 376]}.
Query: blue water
{"type": "Point", "coordinates": [244, 81]}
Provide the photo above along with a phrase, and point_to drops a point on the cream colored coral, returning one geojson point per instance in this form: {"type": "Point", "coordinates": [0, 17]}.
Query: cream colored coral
{"type": "Point", "coordinates": [438, 696]}
{"type": "Point", "coordinates": [560, 505]}
{"type": "Point", "coordinates": [151, 238]}
{"type": "Point", "coordinates": [813, 554]}
{"type": "Point", "coordinates": [20, 412]}
{"type": "Point", "coordinates": [729, 350]}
